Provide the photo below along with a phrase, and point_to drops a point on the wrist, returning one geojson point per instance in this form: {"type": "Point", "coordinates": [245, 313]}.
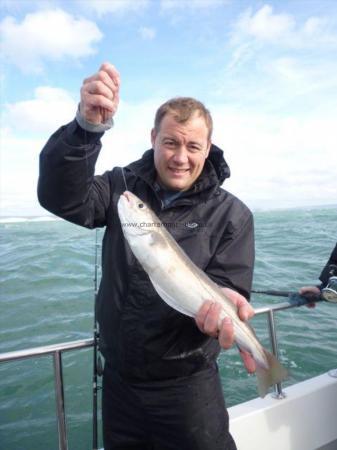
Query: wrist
{"type": "Point", "coordinates": [77, 136]}
{"type": "Point", "coordinates": [93, 127]}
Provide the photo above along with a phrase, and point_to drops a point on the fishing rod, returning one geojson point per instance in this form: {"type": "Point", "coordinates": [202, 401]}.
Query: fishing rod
{"type": "Point", "coordinates": [328, 293]}
{"type": "Point", "coordinates": [294, 298]}
{"type": "Point", "coordinates": [272, 292]}
{"type": "Point", "coordinates": [97, 362]}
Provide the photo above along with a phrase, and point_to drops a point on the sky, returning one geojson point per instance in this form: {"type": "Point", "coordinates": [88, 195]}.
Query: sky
{"type": "Point", "coordinates": [266, 70]}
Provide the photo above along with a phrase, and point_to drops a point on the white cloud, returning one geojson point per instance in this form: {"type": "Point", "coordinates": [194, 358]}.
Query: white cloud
{"type": "Point", "coordinates": [278, 161]}
{"type": "Point", "coordinates": [299, 78]}
{"type": "Point", "coordinates": [264, 24]}
{"type": "Point", "coordinates": [102, 7]}
{"type": "Point", "coordinates": [313, 25]}
{"type": "Point", "coordinates": [281, 29]}
{"type": "Point", "coordinates": [240, 55]}
{"type": "Point", "coordinates": [120, 146]}
{"type": "Point", "coordinates": [28, 125]}
{"type": "Point", "coordinates": [19, 174]}
{"type": "Point", "coordinates": [278, 61]}
{"type": "Point", "coordinates": [287, 68]}
{"type": "Point", "coordinates": [49, 108]}
{"type": "Point", "coordinates": [47, 35]}
{"type": "Point", "coordinates": [44, 114]}
{"type": "Point", "coordinates": [147, 33]}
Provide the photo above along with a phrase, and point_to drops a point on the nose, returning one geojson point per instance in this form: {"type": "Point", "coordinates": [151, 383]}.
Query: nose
{"type": "Point", "coordinates": [180, 155]}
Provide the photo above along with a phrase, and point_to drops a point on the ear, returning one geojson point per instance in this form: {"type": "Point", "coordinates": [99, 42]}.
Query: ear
{"type": "Point", "coordinates": [153, 137]}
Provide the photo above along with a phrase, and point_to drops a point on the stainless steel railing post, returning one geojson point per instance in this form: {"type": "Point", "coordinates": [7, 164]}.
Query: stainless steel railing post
{"type": "Point", "coordinates": [278, 393]}
{"type": "Point", "coordinates": [59, 393]}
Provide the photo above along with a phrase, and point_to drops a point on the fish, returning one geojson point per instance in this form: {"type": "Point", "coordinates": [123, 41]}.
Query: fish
{"type": "Point", "coordinates": [184, 286]}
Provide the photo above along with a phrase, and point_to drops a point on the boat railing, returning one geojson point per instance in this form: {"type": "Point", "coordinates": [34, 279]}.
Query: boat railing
{"type": "Point", "coordinates": [56, 351]}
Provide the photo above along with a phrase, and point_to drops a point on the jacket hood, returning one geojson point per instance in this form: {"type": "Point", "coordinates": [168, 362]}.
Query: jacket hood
{"type": "Point", "coordinates": [219, 163]}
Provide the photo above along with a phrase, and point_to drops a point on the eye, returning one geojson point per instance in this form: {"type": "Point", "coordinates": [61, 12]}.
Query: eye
{"type": "Point", "coordinates": [170, 143]}
{"type": "Point", "coordinates": [194, 148]}
{"type": "Point", "coordinates": [140, 205]}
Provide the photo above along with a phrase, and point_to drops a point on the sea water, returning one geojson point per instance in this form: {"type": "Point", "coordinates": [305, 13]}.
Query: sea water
{"type": "Point", "coordinates": [47, 297]}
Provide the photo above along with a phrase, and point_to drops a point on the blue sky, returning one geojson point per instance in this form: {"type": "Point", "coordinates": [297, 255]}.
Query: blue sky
{"type": "Point", "coordinates": [266, 70]}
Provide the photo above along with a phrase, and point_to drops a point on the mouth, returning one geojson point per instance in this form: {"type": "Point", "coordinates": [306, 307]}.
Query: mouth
{"type": "Point", "coordinates": [127, 196]}
{"type": "Point", "coordinates": [178, 171]}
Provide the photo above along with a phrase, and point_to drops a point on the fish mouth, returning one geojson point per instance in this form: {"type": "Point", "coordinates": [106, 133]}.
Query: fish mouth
{"type": "Point", "coordinates": [127, 196]}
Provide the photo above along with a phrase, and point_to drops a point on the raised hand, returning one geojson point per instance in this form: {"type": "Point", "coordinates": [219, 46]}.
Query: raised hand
{"type": "Point", "coordinates": [100, 95]}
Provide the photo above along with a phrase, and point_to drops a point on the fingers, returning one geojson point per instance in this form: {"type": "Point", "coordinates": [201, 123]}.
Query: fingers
{"type": "Point", "coordinates": [90, 99]}
{"type": "Point", "coordinates": [100, 94]}
{"type": "Point", "coordinates": [107, 75]}
{"type": "Point", "coordinates": [201, 315]}
{"type": "Point", "coordinates": [245, 310]}
{"type": "Point", "coordinates": [248, 361]}
{"type": "Point", "coordinates": [96, 86]}
{"type": "Point", "coordinates": [208, 320]}
{"type": "Point", "coordinates": [102, 83]}
{"type": "Point", "coordinates": [226, 333]}
{"type": "Point", "coordinates": [309, 290]}
{"type": "Point", "coordinates": [100, 91]}
{"type": "Point", "coordinates": [112, 72]}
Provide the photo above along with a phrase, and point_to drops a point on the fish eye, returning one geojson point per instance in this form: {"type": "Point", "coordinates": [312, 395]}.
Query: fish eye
{"type": "Point", "coordinates": [140, 205]}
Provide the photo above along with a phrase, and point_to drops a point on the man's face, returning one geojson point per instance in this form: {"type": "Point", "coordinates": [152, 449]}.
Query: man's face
{"type": "Point", "coordinates": [180, 151]}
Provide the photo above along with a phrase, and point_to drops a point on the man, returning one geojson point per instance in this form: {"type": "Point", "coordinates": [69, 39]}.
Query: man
{"type": "Point", "coordinates": [161, 387]}
{"type": "Point", "coordinates": [326, 273]}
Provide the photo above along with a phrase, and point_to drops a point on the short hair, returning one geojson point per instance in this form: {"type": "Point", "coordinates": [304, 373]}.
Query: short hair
{"type": "Point", "coordinates": [182, 108]}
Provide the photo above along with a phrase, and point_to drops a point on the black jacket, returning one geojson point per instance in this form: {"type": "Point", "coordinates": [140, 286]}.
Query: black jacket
{"type": "Point", "coordinates": [324, 276]}
{"type": "Point", "coordinates": [140, 335]}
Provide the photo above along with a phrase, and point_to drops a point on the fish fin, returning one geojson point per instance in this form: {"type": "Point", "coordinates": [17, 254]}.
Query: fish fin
{"type": "Point", "coordinates": [169, 299]}
{"type": "Point", "coordinates": [268, 377]}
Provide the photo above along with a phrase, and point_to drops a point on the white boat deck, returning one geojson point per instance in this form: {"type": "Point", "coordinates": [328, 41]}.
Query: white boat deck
{"type": "Point", "coordinates": [305, 420]}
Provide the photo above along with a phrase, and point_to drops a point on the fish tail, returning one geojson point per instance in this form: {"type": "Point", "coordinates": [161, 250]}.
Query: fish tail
{"type": "Point", "coordinates": [266, 377]}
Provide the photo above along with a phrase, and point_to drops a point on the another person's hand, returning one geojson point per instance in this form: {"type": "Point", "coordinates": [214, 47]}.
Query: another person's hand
{"type": "Point", "coordinates": [207, 320]}
{"type": "Point", "coordinates": [310, 291]}
{"type": "Point", "coordinates": [100, 95]}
